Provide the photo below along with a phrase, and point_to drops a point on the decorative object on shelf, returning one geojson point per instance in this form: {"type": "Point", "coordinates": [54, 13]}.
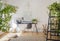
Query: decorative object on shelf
{"type": "Point", "coordinates": [6, 11]}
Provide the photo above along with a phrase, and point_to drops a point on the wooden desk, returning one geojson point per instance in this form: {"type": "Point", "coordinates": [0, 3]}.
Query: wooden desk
{"type": "Point", "coordinates": [30, 23]}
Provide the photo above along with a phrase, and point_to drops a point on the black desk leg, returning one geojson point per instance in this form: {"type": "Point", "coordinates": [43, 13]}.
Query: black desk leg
{"type": "Point", "coordinates": [36, 28]}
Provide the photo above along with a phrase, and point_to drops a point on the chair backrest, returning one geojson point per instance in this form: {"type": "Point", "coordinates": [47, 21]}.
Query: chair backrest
{"type": "Point", "coordinates": [29, 26]}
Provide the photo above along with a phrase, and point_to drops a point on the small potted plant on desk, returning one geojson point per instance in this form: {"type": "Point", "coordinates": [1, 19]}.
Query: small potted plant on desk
{"type": "Point", "coordinates": [34, 20]}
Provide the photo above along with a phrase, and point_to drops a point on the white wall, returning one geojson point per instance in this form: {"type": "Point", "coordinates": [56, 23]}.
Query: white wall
{"type": "Point", "coordinates": [32, 9]}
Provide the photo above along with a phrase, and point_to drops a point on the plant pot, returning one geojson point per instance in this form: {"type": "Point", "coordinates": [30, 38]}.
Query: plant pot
{"type": "Point", "coordinates": [34, 21]}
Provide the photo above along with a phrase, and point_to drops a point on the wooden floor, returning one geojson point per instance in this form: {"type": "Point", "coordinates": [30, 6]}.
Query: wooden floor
{"type": "Point", "coordinates": [31, 36]}
{"type": "Point", "coordinates": [3, 35]}
{"type": "Point", "coordinates": [40, 34]}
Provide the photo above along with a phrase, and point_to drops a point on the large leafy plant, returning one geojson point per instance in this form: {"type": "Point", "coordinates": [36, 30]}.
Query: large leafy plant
{"type": "Point", "coordinates": [6, 11]}
{"type": "Point", "coordinates": [55, 11]}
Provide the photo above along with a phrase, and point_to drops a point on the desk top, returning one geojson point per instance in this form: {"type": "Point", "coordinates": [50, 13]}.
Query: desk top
{"type": "Point", "coordinates": [26, 22]}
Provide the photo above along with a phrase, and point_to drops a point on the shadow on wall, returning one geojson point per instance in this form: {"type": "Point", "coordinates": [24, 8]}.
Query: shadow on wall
{"type": "Point", "coordinates": [45, 28]}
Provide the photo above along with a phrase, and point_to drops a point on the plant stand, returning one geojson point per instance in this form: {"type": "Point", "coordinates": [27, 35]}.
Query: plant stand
{"type": "Point", "coordinates": [53, 33]}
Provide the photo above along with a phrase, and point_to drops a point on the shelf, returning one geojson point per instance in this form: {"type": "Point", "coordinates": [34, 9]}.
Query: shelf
{"type": "Point", "coordinates": [53, 39]}
{"type": "Point", "coordinates": [52, 30]}
{"type": "Point", "coordinates": [54, 35]}
{"type": "Point", "coordinates": [53, 16]}
{"type": "Point", "coordinates": [52, 23]}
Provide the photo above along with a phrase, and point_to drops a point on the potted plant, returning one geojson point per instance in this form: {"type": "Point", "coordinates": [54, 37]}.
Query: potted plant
{"type": "Point", "coordinates": [6, 11]}
{"type": "Point", "coordinates": [34, 20]}
{"type": "Point", "coordinates": [55, 11]}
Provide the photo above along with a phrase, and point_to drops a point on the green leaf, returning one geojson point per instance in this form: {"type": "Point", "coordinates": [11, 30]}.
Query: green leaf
{"type": "Point", "coordinates": [4, 26]}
